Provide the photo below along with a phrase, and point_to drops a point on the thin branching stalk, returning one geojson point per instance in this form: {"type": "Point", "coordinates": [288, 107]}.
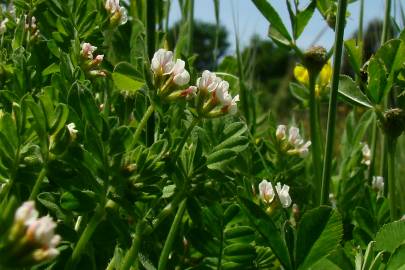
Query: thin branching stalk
{"type": "Point", "coordinates": [190, 26]}
{"type": "Point", "coordinates": [391, 178]}
{"type": "Point", "coordinates": [315, 133]}
{"type": "Point", "coordinates": [338, 49]}
{"type": "Point", "coordinates": [131, 257]}
{"type": "Point", "coordinates": [171, 236]}
{"type": "Point", "coordinates": [85, 237]}
{"type": "Point", "coordinates": [38, 183]}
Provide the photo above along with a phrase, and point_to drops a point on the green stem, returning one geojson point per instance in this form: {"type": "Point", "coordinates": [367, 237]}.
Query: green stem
{"type": "Point", "coordinates": [190, 26]}
{"type": "Point", "coordinates": [171, 236]}
{"type": "Point", "coordinates": [391, 178]}
{"type": "Point", "coordinates": [38, 182]}
{"type": "Point", "coordinates": [185, 137]}
{"type": "Point", "coordinates": [373, 148]}
{"type": "Point", "coordinates": [315, 136]}
{"type": "Point", "coordinates": [150, 27]}
{"type": "Point", "coordinates": [131, 256]}
{"type": "Point", "coordinates": [141, 125]}
{"type": "Point", "coordinates": [361, 20]}
{"type": "Point", "coordinates": [85, 237]}
{"type": "Point", "coordinates": [386, 24]}
{"type": "Point", "coordinates": [327, 165]}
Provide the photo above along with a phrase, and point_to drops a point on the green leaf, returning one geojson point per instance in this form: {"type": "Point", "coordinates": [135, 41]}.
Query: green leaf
{"type": "Point", "coordinates": [349, 90]}
{"type": "Point", "coordinates": [272, 16]}
{"type": "Point", "coordinates": [397, 259]}
{"type": "Point", "coordinates": [319, 233]}
{"type": "Point", "coordinates": [80, 201]}
{"type": "Point", "coordinates": [354, 53]}
{"type": "Point", "coordinates": [275, 35]}
{"type": "Point", "coordinates": [377, 80]}
{"type": "Point", "coordinates": [303, 17]}
{"type": "Point", "coordinates": [266, 227]}
{"type": "Point", "coordinates": [391, 236]}
{"type": "Point", "coordinates": [52, 68]}
{"type": "Point", "coordinates": [127, 78]}
{"type": "Point", "coordinates": [219, 158]}
{"type": "Point", "coordinates": [300, 92]}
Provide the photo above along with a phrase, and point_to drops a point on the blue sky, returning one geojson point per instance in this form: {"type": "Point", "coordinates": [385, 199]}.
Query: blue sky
{"type": "Point", "coordinates": [249, 20]}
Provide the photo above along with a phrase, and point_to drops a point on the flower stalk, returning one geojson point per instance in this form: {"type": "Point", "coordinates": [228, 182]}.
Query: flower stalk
{"type": "Point", "coordinates": [391, 177]}
{"type": "Point", "coordinates": [38, 182]}
{"type": "Point", "coordinates": [338, 49]}
{"type": "Point", "coordinates": [171, 236]}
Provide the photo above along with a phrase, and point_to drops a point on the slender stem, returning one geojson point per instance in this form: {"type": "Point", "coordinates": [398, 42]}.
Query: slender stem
{"type": "Point", "coordinates": [327, 165]}
{"type": "Point", "coordinates": [85, 237]}
{"type": "Point", "coordinates": [361, 20]}
{"type": "Point", "coordinates": [315, 136]}
{"type": "Point", "coordinates": [131, 256]}
{"type": "Point", "coordinates": [171, 236]}
{"type": "Point", "coordinates": [38, 182]}
{"type": "Point", "coordinates": [150, 26]}
{"type": "Point", "coordinates": [185, 137]}
{"type": "Point", "coordinates": [190, 26]}
{"type": "Point", "coordinates": [374, 135]}
{"type": "Point", "coordinates": [141, 125]}
{"type": "Point", "coordinates": [391, 178]}
{"type": "Point", "coordinates": [386, 24]}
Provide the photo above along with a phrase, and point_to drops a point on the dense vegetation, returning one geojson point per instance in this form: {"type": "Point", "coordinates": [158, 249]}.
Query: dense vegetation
{"type": "Point", "coordinates": [127, 143]}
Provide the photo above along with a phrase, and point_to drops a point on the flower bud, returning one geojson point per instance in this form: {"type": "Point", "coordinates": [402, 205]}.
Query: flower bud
{"type": "Point", "coordinates": [280, 132]}
{"type": "Point", "coordinates": [393, 122]}
{"type": "Point", "coordinates": [314, 59]}
{"type": "Point", "coordinates": [72, 131]}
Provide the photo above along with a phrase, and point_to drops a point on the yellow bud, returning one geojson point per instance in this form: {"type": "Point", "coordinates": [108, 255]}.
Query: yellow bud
{"type": "Point", "coordinates": [301, 75]}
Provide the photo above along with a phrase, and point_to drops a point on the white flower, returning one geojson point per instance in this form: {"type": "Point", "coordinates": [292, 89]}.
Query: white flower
{"type": "Point", "coordinates": [87, 50]}
{"type": "Point", "coordinates": [208, 81]}
{"type": "Point", "coordinates": [303, 149]}
{"type": "Point", "coordinates": [378, 184]}
{"type": "Point", "coordinates": [3, 26]}
{"type": "Point", "coordinates": [26, 213]}
{"type": "Point", "coordinates": [123, 16]}
{"type": "Point", "coordinates": [294, 137]}
{"type": "Point", "coordinates": [366, 155]}
{"type": "Point", "coordinates": [230, 104]}
{"type": "Point", "coordinates": [72, 130]}
{"type": "Point", "coordinates": [267, 193]}
{"type": "Point", "coordinates": [281, 132]}
{"type": "Point", "coordinates": [180, 75]}
{"type": "Point", "coordinates": [112, 6]}
{"type": "Point", "coordinates": [162, 62]}
{"type": "Point", "coordinates": [221, 92]}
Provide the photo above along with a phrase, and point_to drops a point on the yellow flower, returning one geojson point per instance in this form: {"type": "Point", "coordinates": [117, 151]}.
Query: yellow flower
{"type": "Point", "coordinates": [302, 76]}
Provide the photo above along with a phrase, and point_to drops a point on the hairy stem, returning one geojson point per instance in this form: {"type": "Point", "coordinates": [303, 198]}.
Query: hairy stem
{"type": "Point", "coordinates": [330, 136]}
{"type": "Point", "coordinates": [131, 256]}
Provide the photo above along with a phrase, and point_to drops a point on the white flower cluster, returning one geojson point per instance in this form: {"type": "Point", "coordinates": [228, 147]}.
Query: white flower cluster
{"type": "Point", "coordinates": [39, 232]}
{"type": "Point", "coordinates": [267, 193]}
{"type": "Point", "coordinates": [3, 26]}
{"type": "Point", "coordinates": [213, 97]}
{"type": "Point", "coordinates": [91, 63]}
{"type": "Point", "coordinates": [377, 184]}
{"type": "Point", "coordinates": [118, 14]}
{"type": "Point", "coordinates": [294, 144]}
{"type": "Point", "coordinates": [366, 155]}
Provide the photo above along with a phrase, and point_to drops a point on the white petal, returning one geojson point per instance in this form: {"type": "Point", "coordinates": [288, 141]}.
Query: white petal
{"type": "Point", "coordinates": [182, 78]}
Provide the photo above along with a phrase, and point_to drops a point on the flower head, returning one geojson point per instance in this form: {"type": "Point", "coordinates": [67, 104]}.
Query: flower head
{"type": "Point", "coordinates": [118, 14]}
{"type": "Point", "coordinates": [162, 62]}
{"type": "Point", "coordinates": [208, 81]}
{"type": "Point", "coordinates": [366, 155]}
{"type": "Point", "coordinates": [3, 26]}
{"type": "Point", "coordinates": [293, 144]}
{"type": "Point", "coordinates": [267, 193]}
{"type": "Point", "coordinates": [72, 130]}
{"type": "Point", "coordinates": [180, 75]}
{"type": "Point", "coordinates": [26, 213]}
{"type": "Point", "coordinates": [87, 50]}
{"type": "Point", "coordinates": [378, 185]}
{"type": "Point", "coordinates": [90, 63]}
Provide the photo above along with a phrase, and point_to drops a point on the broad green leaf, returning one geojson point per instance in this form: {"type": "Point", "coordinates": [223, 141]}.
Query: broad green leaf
{"type": "Point", "coordinates": [272, 16]}
{"type": "Point", "coordinates": [377, 80]}
{"type": "Point", "coordinates": [391, 236]}
{"type": "Point", "coordinates": [325, 264]}
{"type": "Point", "coordinates": [266, 227]}
{"type": "Point", "coordinates": [303, 17]}
{"type": "Point", "coordinates": [349, 90]}
{"type": "Point", "coordinates": [319, 233]}
{"type": "Point", "coordinates": [80, 201]}
{"type": "Point", "coordinates": [397, 259]}
{"type": "Point", "coordinates": [127, 78]}
{"type": "Point", "coordinates": [354, 53]}
{"type": "Point", "coordinates": [218, 158]}
{"type": "Point", "coordinates": [52, 68]}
